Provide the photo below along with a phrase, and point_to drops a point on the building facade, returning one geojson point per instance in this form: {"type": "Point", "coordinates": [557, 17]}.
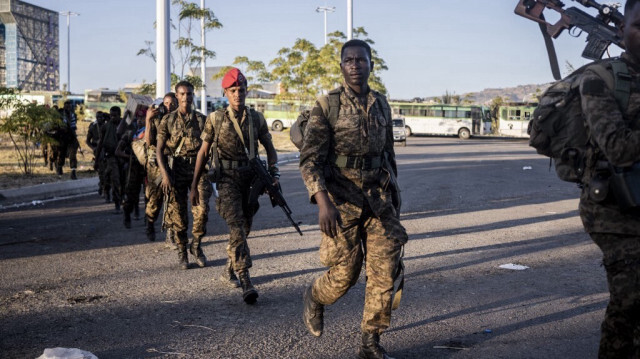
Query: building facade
{"type": "Point", "coordinates": [29, 47]}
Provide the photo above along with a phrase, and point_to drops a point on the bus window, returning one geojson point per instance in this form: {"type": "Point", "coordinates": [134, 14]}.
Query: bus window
{"type": "Point", "coordinates": [514, 115]}
{"type": "Point", "coordinates": [463, 114]}
{"type": "Point", "coordinates": [527, 116]}
{"type": "Point", "coordinates": [450, 113]}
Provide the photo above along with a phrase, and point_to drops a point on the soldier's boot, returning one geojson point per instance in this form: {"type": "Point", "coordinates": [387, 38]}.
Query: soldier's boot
{"type": "Point", "coordinates": [107, 195]}
{"type": "Point", "coordinates": [371, 348]}
{"type": "Point", "coordinates": [136, 212]}
{"type": "Point", "coordinates": [73, 174]}
{"type": "Point", "coordinates": [169, 242]}
{"type": "Point", "coordinates": [183, 261]}
{"type": "Point", "coordinates": [312, 313]}
{"type": "Point", "coordinates": [50, 166]}
{"type": "Point", "coordinates": [249, 293]}
{"type": "Point", "coordinates": [127, 219]}
{"type": "Point", "coordinates": [196, 251]}
{"type": "Point", "coordinates": [100, 190]}
{"type": "Point", "coordinates": [151, 231]}
{"type": "Point", "coordinates": [117, 207]}
{"type": "Point", "coordinates": [59, 170]}
{"type": "Point", "coordinates": [228, 276]}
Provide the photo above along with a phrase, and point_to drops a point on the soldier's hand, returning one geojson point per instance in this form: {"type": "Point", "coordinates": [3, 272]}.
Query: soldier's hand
{"type": "Point", "coordinates": [275, 184]}
{"type": "Point", "coordinates": [166, 184]}
{"type": "Point", "coordinates": [194, 196]}
{"type": "Point", "coordinates": [328, 215]}
{"type": "Point", "coordinates": [151, 113]}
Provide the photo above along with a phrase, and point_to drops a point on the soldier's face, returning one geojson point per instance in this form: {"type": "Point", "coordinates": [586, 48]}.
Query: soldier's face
{"type": "Point", "coordinates": [631, 31]}
{"type": "Point", "coordinates": [184, 94]}
{"type": "Point", "coordinates": [115, 114]}
{"type": "Point", "coordinates": [170, 103]}
{"type": "Point", "coordinates": [356, 66]}
{"type": "Point", "coordinates": [236, 96]}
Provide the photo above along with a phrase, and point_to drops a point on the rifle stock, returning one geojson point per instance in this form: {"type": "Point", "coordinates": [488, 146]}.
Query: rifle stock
{"type": "Point", "coordinates": [275, 193]}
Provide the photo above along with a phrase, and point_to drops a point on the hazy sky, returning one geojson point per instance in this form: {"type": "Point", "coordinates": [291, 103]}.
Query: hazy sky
{"type": "Point", "coordinates": [430, 46]}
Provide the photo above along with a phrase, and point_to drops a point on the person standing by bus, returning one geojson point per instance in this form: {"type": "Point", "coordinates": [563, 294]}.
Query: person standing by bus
{"type": "Point", "coordinates": [350, 133]}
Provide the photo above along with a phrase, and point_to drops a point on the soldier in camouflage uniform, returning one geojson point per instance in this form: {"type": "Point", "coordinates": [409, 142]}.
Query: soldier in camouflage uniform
{"type": "Point", "coordinates": [153, 193]}
{"type": "Point", "coordinates": [107, 150]}
{"type": "Point", "coordinates": [179, 137]}
{"type": "Point", "coordinates": [357, 216]}
{"type": "Point", "coordinates": [236, 176]}
{"type": "Point", "coordinates": [135, 171]}
{"type": "Point", "coordinates": [615, 134]}
{"type": "Point", "coordinates": [93, 137]}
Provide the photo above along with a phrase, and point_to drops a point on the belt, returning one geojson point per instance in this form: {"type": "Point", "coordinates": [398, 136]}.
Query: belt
{"type": "Point", "coordinates": [232, 165]}
{"type": "Point", "coordinates": [191, 160]}
{"type": "Point", "coordinates": [358, 162]}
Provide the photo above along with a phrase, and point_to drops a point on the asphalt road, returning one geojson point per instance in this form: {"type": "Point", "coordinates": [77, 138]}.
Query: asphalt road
{"type": "Point", "coordinates": [73, 276]}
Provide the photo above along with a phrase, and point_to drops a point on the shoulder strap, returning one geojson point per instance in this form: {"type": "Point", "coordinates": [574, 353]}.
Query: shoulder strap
{"type": "Point", "coordinates": [217, 124]}
{"type": "Point", "coordinates": [334, 106]}
{"type": "Point", "coordinates": [617, 79]}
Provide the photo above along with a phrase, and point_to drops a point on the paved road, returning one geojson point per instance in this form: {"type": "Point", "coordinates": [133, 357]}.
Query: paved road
{"type": "Point", "coordinates": [72, 276]}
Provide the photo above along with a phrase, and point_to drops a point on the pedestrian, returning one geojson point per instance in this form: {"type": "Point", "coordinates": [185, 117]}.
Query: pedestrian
{"type": "Point", "coordinates": [179, 139]}
{"type": "Point", "coordinates": [93, 137]}
{"type": "Point", "coordinates": [107, 150]}
{"type": "Point", "coordinates": [153, 192]}
{"type": "Point", "coordinates": [66, 141]}
{"type": "Point", "coordinates": [135, 172]}
{"type": "Point", "coordinates": [234, 133]}
{"type": "Point", "coordinates": [347, 163]}
{"type": "Point", "coordinates": [614, 133]}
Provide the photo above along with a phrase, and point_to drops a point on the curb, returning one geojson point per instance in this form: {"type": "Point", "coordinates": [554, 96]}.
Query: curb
{"type": "Point", "coordinates": [18, 197]}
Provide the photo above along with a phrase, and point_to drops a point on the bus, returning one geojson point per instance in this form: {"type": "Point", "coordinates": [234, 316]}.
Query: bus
{"type": "Point", "coordinates": [102, 100]}
{"type": "Point", "coordinates": [450, 120]}
{"type": "Point", "coordinates": [278, 114]}
{"type": "Point", "coordinates": [513, 119]}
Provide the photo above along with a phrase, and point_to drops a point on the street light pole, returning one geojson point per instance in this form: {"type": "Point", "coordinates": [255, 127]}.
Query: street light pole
{"type": "Point", "coordinates": [325, 9]}
{"type": "Point", "coordinates": [69, 14]}
{"type": "Point", "coordinates": [349, 19]}
{"type": "Point", "coordinates": [203, 68]}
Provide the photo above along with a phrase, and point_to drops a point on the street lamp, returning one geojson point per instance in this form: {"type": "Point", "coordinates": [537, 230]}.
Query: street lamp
{"type": "Point", "coordinates": [69, 14]}
{"type": "Point", "coordinates": [325, 9]}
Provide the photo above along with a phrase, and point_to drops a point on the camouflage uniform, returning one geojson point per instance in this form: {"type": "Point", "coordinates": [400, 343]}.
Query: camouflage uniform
{"type": "Point", "coordinates": [171, 129]}
{"type": "Point", "coordinates": [93, 137]}
{"type": "Point", "coordinates": [370, 228]}
{"type": "Point", "coordinates": [112, 164]}
{"type": "Point", "coordinates": [234, 186]}
{"type": "Point", "coordinates": [153, 192]}
{"type": "Point", "coordinates": [134, 175]}
{"type": "Point", "coordinates": [616, 138]}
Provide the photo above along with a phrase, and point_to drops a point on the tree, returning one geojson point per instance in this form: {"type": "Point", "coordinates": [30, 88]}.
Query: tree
{"type": "Point", "coordinates": [298, 69]}
{"type": "Point", "coordinates": [190, 54]}
{"type": "Point", "coordinates": [27, 124]}
{"type": "Point", "coordinates": [255, 71]}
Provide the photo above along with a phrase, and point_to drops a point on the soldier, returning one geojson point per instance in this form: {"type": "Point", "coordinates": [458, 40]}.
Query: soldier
{"type": "Point", "coordinates": [107, 150]}
{"type": "Point", "coordinates": [66, 144]}
{"type": "Point", "coordinates": [135, 172]}
{"type": "Point", "coordinates": [233, 152]}
{"type": "Point", "coordinates": [93, 137]}
{"type": "Point", "coordinates": [153, 192]}
{"type": "Point", "coordinates": [179, 137]}
{"type": "Point", "coordinates": [615, 140]}
{"type": "Point", "coordinates": [349, 135]}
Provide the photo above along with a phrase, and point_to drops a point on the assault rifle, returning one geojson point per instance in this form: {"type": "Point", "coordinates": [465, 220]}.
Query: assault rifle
{"type": "Point", "coordinates": [602, 29]}
{"type": "Point", "coordinates": [275, 194]}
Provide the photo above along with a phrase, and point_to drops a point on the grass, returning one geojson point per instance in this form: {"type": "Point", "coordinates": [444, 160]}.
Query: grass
{"type": "Point", "coordinates": [11, 175]}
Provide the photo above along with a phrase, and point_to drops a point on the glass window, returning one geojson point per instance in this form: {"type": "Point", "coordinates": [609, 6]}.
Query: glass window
{"type": "Point", "coordinates": [450, 113]}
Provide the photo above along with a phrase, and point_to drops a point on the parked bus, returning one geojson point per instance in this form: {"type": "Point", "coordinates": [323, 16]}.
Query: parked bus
{"type": "Point", "coordinates": [426, 119]}
{"type": "Point", "coordinates": [101, 100]}
{"type": "Point", "coordinates": [279, 114]}
{"type": "Point", "coordinates": [513, 119]}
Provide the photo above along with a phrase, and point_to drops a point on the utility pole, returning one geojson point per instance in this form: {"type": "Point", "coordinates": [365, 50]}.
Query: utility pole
{"type": "Point", "coordinates": [203, 68]}
{"type": "Point", "coordinates": [325, 9]}
{"type": "Point", "coordinates": [69, 14]}
{"type": "Point", "coordinates": [349, 19]}
{"type": "Point", "coordinates": [163, 59]}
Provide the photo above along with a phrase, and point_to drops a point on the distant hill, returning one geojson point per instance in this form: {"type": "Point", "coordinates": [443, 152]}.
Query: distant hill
{"type": "Point", "coordinates": [522, 93]}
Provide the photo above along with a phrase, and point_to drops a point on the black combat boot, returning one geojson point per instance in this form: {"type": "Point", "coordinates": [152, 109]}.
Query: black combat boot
{"type": "Point", "coordinates": [136, 212]}
{"type": "Point", "coordinates": [371, 348]}
{"type": "Point", "coordinates": [196, 251]}
{"type": "Point", "coordinates": [59, 170]}
{"type": "Point", "coordinates": [151, 231]}
{"type": "Point", "coordinates": [127, 219]}
{"type": "Point", "coordinates": [249, 293]}
{"type": "Point", "coordinates": [117, 206]}
{"type": "Point", "coordinates": [183, 261]}
{"type": "Point", "coordinates": [73, 174]}
{"type": "Point", "coordinates": [312, 313]}
{"type": "Point", "coordinates": [107, 195]}
{"type": "Point", "coordinates": [228, 276]}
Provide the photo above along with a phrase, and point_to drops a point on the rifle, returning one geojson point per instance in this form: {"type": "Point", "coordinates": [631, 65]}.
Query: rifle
{"type": "Point", "coordinates": [275, 192]}
{"type": "Point", "coordinates": [602, 29]}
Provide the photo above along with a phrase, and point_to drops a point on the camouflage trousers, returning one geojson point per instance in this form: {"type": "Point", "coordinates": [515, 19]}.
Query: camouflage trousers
{"type": "Point", "coordinates": [135, 181]}
{"type": "Point", "coordinates": [62, 150]}
{"type": "Point", "coordinates": [233, 206]}
{"type": "Point", "coordinates": [153, 192]}
{"type": "Point", "coordinates": [376, 240]}
{"type": "Point", "coordinates": [112, 175]}
{"type": "Point", "coordinates": [620, 337]}
{"type": "Point", "coordinates": [177, 206]}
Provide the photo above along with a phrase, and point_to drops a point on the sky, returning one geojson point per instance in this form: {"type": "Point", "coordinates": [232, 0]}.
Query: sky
{"type": "Point", "coordinates": [429, 46]}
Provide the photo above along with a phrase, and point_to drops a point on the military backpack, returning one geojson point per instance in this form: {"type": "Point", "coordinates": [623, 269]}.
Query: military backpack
{"type": "Point", "coordinates": [558, 128]}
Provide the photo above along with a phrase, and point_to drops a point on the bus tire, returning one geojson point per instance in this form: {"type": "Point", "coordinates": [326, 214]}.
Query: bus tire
{"type": "Point", "coordinates": [407, 131]}
{"type": "Point", "coordinates": [277, 126]}
{"type": "Point", "coordinates": [464, 133]}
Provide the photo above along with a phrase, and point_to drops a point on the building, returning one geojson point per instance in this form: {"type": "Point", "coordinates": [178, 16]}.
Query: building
{"type": "Point", "coordinates": [29, 47]}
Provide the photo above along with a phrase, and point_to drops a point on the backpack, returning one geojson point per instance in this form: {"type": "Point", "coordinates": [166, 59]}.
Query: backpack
{"type": "Point", "coordinates": [330, 105]}
{"type": "Point", "coordinates": [558, 129]}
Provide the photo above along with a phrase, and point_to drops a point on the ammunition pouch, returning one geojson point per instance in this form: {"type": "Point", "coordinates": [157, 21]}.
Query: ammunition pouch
{"type": "Point", "coordinates": [625, 185]}
{"type": "Point", "coordinates": [598, 188]}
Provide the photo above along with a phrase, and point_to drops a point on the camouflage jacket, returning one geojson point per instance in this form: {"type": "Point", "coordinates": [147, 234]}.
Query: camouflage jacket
{"type": "Point", "coordinates": [615, 137]}
{"type": "Point", "coordinates": [359, 131]}
{"type": "Point", "coordinates": [230, 146]}
{"type": "Point", "coordinates": [93, 133]}
{"type": "Point", "coordinates": [174, 127]}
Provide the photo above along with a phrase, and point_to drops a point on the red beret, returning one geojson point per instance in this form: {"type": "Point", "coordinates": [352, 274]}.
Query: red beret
{"type": "Point", "coordinates": [233, 78]}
